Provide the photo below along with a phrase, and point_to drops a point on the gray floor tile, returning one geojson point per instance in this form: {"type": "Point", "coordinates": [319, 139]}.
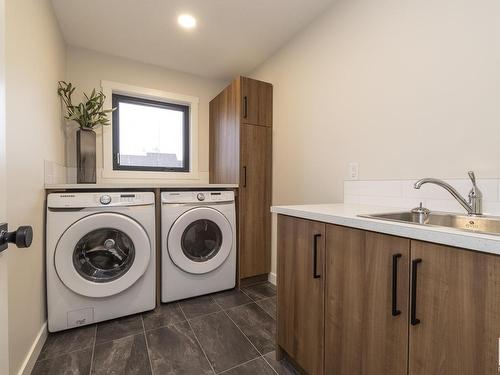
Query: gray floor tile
{"type": "Point", "coordinates": [224, 344]}
{"type": "Point", "coordinates": [174, 351]}
{"type": "Point", "coordinates": [67, 341]}
{"type": "Point", "coordinates": [260, 291]}
{"type": "Point", "coordinates": [125, 356]}
{"type": "Point", "coordinates": [163, 315]}
{"type": "Point", "coordinates": [256, 367]}
{"type": "Point", "coordinates": [199, 306]}
{"type": "Point", "coordinates": [257, 325]}
{"type": "Point", "coordinates": [74, 363]}
{"type": "Point", "coordinates": [231, 298]}
{"type": "Point", "coordinates": [118, 328]}
{"type": "Point", "coordinates": [282, 367]}
{"type": "Point", "coordinates": [269, 305]}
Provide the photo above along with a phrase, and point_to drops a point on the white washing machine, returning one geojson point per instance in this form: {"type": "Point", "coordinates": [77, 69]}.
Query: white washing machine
{"type": "Point", "coordinates": [198, 243]}
{"type": "Point", "coordinates": [100, 257]}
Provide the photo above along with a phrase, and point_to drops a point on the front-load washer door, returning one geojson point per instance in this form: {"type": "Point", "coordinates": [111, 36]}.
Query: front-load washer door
{"type": "Point", "coordinates": [200, 240]}
{"type": "Point", "coordinates": [102, 254]}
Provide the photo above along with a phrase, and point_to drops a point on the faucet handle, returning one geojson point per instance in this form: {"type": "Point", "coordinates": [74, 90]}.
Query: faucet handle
{"type": "Point", "coordinates": [472, 177]}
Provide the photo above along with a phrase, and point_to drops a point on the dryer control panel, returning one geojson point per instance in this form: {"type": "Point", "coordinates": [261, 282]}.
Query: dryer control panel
{"type": "Point", "coordinates": [197, 196]}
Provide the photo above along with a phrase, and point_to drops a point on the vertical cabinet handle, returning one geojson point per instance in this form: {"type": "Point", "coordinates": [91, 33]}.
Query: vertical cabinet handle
{"type": "Point", "coordinates": [245, 176]}
{"type": "Point", "coordinates": [413, 316]}
{"type": "Point", "coordinates": [245, 107]}
{"type": "Point", "coordinates": [395, 311]}
{"type": "Point", "coordinates": [315, 256]}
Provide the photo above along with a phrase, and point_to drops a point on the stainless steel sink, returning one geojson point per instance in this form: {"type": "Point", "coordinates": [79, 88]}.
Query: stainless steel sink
{"type": "Point", "coordinates": [480, 224]}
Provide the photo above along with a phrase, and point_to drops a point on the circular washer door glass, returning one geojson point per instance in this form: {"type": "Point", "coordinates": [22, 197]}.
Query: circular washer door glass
{"type": "Point", "coordinates": [103, 255]}
{"type": "Point", "coordinates": [201, 240]}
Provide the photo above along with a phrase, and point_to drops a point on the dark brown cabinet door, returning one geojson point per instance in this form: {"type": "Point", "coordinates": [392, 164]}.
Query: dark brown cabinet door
{"type": "Point", "coordinates": [301, 279]}
{"type": "Point", "coordinates": [455, 326]}
{"type": "Point", "coordinates": [366, 312]}
{"type": "Point", "coordinates": [256, 102]}
{"type": "Point", "coordinates": [255, 200]}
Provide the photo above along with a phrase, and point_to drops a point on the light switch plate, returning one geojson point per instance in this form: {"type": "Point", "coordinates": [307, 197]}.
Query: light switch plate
{"type": "Point", "coordinates": [353, 171]}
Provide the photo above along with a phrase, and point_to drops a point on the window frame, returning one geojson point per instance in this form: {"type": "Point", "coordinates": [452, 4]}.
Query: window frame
{"type": "Point", "coordinates": [122, 98]}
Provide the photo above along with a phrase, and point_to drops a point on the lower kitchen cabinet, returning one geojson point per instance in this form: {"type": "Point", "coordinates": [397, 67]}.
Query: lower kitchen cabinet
{"type": "Point", "coordinates": [366, 304]}
{"type": "Point", "coordinates": [301, 283]}
{"type": "Point", "coordinates": [353, 302]}
{"type": "Point", "coordinates": [455, 326]}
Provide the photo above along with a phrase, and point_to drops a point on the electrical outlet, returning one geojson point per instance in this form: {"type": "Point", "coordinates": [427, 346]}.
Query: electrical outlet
{"type": "Point", "coordinates": [353, 171]}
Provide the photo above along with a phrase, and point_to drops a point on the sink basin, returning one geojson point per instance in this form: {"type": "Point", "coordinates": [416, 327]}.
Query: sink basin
{"type": "Point", "coordinates": [479, 224]}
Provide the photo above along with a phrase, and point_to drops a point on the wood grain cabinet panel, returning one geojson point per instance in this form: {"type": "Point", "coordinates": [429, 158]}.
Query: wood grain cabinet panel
{"type": "Point", "coordinates": [366, 308]}
{"type": "Point", "coordinates": [301, 279]}
{"type": "Point", "coordinates": [458, 309]}
{"type": "Point", "coordinates": [256, 102]}
{"type": "Point", "coordinates": [255, 200]}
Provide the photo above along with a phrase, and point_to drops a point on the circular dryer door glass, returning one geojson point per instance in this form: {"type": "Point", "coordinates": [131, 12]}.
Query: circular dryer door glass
{"type": "Point", "coordinates": [201, 240]}
{"type": "Point", "coordinates": [103, 255]}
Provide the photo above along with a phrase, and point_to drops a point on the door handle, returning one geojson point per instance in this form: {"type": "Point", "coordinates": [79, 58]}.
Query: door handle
{"type": "Point", "coordinates": [315, 256]}
{"type": "Point", "coordinates": [245, 107]}
{"type": "Point", "coordinates": [22, 237]}
{"type": "Point", "coordinates": [413, 315]}
{"type": "Point", "coordinates": [395, 311]}
{"type": "Point", "coordinates": [244, 176]}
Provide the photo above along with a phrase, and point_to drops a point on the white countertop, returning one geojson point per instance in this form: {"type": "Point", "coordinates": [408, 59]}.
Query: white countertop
{"type": "Point", "coordinates": [346, 215]}
{"type": "Point", "coordinates": [139, 186]}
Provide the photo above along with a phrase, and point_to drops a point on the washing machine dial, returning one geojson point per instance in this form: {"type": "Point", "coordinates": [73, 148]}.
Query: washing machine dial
{"type": "Point", "coordinates": [201, 197]}
{"type": "Point", "coordinates": [105, 199]}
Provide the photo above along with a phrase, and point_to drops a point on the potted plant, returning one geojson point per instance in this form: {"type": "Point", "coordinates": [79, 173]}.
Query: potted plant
{"type": "Point", "coordinates": [89, 115]}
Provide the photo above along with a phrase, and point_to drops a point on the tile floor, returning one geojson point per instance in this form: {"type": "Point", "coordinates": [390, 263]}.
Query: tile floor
{"type": "Point", "coordinates": [230, 332]}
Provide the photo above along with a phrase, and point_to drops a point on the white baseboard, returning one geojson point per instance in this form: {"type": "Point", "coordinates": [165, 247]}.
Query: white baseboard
{"type": "Point", "coordinates": [36, 348]}
{"type": "Point", "coordinates": [272, 278]}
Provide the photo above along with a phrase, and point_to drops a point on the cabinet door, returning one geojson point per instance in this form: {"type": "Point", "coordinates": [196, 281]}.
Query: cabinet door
{"type": "Point", "coordinates": [455, 321]}
{"type": "Point", "coordinates": [366, 315]}
{"type": "Point", "coordinates": [301, 275]}
{"type": "Point", "coordinates": [255, 201]}
{"type": "Point", "coordinates": [256, 102]}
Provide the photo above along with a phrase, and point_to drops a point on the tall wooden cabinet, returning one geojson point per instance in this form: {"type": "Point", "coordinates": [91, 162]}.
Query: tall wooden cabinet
{"type": "Point", "coordinates": [241, 153]}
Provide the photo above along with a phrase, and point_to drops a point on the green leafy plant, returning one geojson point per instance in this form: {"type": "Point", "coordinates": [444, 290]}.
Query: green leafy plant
{"type": "Point", "coordinates": [89, 114]}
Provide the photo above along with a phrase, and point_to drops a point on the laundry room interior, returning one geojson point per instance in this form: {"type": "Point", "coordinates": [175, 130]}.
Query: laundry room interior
{"type": "Point", "coordinates": [249, 187]}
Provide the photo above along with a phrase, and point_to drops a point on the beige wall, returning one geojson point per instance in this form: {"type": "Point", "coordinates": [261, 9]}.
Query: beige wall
{"type": "Point", "coordinates": [35, 61]}
{"type": "Point", "coordinates": [405, 88]}
{"type": "Point", "coordinates": [86, 69]}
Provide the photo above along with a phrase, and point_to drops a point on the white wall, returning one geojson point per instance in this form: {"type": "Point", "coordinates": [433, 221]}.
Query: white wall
{"type": "Point", "coordinates": [406, 88]}
{"type": "Point", "coordinates": [86, 69]}
{"type": "Point", "coordinates": [35, 61]}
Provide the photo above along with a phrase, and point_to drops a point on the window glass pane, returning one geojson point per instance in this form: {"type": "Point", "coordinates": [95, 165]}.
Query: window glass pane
{"type": "Point", "coordinates": [151, 136]}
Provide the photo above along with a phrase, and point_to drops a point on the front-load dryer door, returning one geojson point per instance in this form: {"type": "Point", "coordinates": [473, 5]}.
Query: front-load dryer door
{"type": "Point", "coordinates": [102, 254]}
{"type": "Point", "coordinates": [200, 240]}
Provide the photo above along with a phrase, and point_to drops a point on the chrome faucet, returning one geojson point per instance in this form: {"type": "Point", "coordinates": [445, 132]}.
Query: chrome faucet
{"type": "Point", "coordinates": [474, 206]}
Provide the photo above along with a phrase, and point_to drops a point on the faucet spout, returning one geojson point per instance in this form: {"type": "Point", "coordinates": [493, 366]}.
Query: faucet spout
{"type": "Point", "coordinates": [473, 206]}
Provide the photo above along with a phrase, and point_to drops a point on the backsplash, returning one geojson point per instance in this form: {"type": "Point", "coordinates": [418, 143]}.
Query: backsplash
{"type": "Point", "coordinates": [402, 194]}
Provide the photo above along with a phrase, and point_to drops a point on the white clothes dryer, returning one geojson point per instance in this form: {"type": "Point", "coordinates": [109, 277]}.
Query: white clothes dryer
{"type": "Point", "coordinates": [198, 243]}
{"type": "Point", "coordinates": [100, 257]}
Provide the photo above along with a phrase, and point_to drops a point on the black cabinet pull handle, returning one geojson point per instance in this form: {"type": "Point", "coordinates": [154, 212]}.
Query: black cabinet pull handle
{"type": "Point", "coordinates": [413, 316]}
{"type": "Point", "coordinates": [395, 311]}
{"type": "Point", "coordinates": [315, 256]}
{"type": "Point", "coordinates": [244, 176]}
{"type": "Point", "coordinates": [245, 107]}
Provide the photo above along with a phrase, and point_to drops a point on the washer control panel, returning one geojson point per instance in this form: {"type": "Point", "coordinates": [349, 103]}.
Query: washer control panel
{"type": "Point", "coordinates": [99, 199]}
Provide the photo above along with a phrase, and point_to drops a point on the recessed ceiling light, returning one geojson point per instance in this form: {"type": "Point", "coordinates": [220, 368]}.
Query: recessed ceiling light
{"type": "Point", "coordinates": [187, 21]}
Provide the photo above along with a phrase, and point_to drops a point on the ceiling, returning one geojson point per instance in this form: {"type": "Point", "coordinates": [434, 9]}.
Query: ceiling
{"type": "Point", "coordinates": [232, 36]}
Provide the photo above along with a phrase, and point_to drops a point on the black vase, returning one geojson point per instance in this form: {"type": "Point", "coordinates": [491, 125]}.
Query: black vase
{"type": "Point", "coordinates": [85, 156]}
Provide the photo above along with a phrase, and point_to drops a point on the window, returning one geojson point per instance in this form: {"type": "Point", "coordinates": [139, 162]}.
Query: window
{"type": "Point", "coordinates": [150, 135]}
